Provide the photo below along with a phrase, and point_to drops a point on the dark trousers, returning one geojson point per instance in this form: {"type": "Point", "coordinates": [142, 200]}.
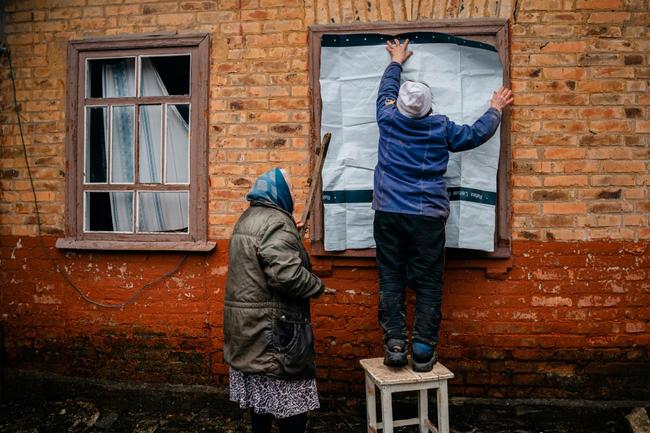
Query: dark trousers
{"type": "Point", "coordinates": [261, 423]}
{"type": "Point", "coordinates": [410, 251]}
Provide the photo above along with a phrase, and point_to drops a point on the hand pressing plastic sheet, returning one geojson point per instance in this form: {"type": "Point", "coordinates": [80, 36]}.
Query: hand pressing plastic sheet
{"type": "Point", "coordinates": [462, 75]}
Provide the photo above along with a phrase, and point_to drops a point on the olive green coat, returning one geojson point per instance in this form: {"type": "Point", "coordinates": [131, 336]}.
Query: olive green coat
{"type": "Point", "coordinates": [267, 327]}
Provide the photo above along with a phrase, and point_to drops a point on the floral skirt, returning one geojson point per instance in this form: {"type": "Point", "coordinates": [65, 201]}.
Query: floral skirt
{"type": "Point", "coordinates": [281, 398]}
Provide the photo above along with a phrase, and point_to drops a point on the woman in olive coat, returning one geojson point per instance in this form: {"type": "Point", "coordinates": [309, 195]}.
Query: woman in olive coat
{"type": "Point", "coordinates": [267, 330]}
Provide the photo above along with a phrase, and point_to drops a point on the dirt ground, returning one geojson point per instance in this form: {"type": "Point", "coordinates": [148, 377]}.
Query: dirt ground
{"type": "Point", "coordinates": [92, 411]}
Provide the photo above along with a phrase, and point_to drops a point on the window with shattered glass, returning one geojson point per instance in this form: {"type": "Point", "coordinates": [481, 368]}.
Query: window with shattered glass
{"type": "Point", "coordinates": [139, 156]}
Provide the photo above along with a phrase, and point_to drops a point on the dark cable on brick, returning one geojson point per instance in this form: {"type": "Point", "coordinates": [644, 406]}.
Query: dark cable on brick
{"type": "Point", "coordinates": [55, 265]}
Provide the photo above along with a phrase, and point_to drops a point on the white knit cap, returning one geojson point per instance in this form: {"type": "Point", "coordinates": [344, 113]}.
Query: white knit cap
{"type": "Point", "coordinates": [414, 99]}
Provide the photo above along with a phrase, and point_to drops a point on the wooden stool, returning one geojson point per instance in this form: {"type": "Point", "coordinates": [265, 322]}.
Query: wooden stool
{"type": "Point", "coordinates": [390, 380]}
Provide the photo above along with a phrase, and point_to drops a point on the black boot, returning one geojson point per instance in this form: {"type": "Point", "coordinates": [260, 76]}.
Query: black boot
{"type": "Point", "coordinates": [395, 353]}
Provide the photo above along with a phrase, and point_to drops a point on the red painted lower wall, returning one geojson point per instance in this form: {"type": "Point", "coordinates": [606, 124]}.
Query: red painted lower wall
{"type": "Point", "coordinates": [569, 320]}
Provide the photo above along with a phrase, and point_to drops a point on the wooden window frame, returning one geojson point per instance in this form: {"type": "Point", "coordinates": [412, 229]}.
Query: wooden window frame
{"type": "Point", "coordinates": [198, 45]}
{"type": "Point", "coordinates": [491, 30]}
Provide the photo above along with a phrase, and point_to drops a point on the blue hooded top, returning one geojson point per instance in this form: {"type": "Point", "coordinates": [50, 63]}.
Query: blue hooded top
{"type": "Point", "coordinates": [413, 153]}
{"type": "Point", "coordinates": [272, 188]}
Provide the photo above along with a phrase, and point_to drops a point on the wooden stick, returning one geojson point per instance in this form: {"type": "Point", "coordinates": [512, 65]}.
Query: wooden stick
{"type": "Point", "coordinates": [315, 181]}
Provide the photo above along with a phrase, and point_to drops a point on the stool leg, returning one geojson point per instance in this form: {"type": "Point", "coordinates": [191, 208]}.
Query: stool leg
{"type": "Point", "coordinates": [423, 410]}
{"type": "Point", "coordinates": [387, 410]}
{"type": "Point", "coordinates": [371, 406]}
{"type": "Point", "coordinates": [443, 408]}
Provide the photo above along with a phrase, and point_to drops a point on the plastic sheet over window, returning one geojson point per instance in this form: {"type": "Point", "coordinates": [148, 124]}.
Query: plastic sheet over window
{"type": "Point", "coordinates": [462, 75]}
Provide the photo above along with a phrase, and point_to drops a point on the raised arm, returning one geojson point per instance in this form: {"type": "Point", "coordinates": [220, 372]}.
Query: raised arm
{"type": "Point", "coordinates": [390, 81]}
{"type": "Point", "coordinates": [389, 86]}
{"type": "Point", "coordinates": [466, 137]}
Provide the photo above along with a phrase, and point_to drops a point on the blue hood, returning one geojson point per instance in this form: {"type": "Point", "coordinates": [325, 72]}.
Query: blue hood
{"type": "Point", "coordinates": [271, 187]}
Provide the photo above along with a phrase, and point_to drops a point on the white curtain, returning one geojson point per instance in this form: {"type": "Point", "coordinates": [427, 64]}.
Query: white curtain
{"type": "Point", "coordinates": [164, 211]}
{"type": "Point", "coordinates": [118, 81]}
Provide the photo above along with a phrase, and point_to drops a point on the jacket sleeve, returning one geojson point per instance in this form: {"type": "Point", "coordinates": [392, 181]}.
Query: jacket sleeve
{"type": "Point", "coordinates": [466, 137]}
{"type": "Point", "coordinates": [279, 252]}
{"type": "Point", "coordinates": [389, 85]}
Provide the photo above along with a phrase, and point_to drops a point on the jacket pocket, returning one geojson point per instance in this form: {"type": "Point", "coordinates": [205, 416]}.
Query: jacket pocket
{"type": "Point", "coordinates": [294, 343]}
{"type": "Point", "coordinates": [285, 334]}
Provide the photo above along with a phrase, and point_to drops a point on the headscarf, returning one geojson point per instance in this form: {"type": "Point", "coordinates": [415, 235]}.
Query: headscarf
{"type": "Point", "coordinates": [272, 187]}
{"type": "Point", "coordinates": [414, 99]}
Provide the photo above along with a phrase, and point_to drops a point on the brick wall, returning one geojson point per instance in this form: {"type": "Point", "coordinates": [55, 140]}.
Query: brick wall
{"type": "Point", "coordinates": [580, 129]}
{"type": "Point", "coordinates": [568, 320]}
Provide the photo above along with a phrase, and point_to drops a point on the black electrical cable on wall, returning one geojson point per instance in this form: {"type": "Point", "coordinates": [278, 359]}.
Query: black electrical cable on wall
{"type": "Point", "coordinates": [57, 268]}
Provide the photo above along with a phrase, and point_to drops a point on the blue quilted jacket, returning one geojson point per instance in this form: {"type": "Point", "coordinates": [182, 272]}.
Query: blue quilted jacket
{"type": "Point", "coordinates": [413, 153]}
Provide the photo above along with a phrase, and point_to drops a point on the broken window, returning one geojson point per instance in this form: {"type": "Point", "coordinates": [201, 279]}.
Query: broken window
{"type": "Point", "coordinates": [457, 59]}
{"type": "Point", "coordinates": [137, 146]}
